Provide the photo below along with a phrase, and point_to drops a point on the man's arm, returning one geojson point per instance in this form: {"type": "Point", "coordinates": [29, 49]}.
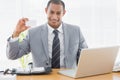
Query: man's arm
{"type": "Point", "coordinates": [82, 44]}
{"type": "Point", "coordinates": [16, 49]}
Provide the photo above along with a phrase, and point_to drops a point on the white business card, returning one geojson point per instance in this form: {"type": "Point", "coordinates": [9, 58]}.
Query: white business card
{"type": "Point", "coordinates": [31, 23]}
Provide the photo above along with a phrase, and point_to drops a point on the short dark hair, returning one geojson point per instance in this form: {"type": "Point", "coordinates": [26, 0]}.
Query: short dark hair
{"type": "Point", "coordinates": [56, 2]}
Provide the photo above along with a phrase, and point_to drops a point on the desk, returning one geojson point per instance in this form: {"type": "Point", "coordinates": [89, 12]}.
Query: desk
{"type": "Point", "coordinates": [55, 76]}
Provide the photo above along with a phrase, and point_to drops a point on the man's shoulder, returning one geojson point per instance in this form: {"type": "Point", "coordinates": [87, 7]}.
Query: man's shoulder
{"type": "Point", "coordinates": [70, 26]}
{"type": "Point", "coordinates": [37, 28]}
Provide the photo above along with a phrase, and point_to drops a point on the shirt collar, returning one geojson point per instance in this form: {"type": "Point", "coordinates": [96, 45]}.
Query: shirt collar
{"type": "Point", "coordinates": [50, 29]}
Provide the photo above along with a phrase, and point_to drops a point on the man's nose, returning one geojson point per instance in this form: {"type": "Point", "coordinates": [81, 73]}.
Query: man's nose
{"type": "Point", "coordinates": [54, 16]}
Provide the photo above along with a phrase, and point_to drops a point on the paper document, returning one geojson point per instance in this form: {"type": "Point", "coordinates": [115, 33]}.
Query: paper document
{"type": "Point", "coordinates": [7, 77]}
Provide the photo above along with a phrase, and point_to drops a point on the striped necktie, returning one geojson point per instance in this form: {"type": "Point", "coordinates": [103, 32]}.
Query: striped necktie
{"type": "Point", "coordinates": [56, 51]}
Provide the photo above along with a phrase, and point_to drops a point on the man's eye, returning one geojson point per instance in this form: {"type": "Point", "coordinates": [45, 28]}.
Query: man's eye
{"type": "Point", "coordinates": [52, 12]}
{"type": "Point", "coordinates": [58, 13]}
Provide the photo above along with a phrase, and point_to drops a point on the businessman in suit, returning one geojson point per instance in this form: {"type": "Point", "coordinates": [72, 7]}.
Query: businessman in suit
{"type": "Point", "coordinates": [55, 44]}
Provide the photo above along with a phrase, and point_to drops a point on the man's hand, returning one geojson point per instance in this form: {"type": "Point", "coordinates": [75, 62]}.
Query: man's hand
{"type": "Point", "coordinates": [20, 27]}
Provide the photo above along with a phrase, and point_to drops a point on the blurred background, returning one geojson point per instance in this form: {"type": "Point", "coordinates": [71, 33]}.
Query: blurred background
{"type": "Point", "coordinates": [99, 21]}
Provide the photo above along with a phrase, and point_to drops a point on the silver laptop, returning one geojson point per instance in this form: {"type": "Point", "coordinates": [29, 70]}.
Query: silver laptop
{"type": "Point", "coordinates": [93, 62]}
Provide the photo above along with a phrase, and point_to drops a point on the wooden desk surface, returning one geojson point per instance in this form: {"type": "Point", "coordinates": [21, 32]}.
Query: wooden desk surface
{"type": "Point", "coordinates": [55, 76]}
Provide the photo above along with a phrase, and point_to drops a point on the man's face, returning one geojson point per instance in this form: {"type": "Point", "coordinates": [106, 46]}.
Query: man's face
{"type": "Point", "coordinates": [55, 12]}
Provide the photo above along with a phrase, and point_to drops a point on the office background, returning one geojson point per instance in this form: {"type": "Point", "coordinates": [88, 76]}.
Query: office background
{"type": "Point", "coordinates": [99, 21]}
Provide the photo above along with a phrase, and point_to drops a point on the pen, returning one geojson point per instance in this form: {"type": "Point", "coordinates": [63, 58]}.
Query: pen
{"type": "Point", "coordinates": [6, 71]}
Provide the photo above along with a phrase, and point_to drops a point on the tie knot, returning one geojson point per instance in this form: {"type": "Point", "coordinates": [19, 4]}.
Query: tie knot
{"type": "Point", "coordinates": [55, 32]}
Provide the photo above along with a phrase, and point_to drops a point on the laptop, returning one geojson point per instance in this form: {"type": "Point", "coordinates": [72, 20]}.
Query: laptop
{"type": "Point", "coordinates": [93, 61]}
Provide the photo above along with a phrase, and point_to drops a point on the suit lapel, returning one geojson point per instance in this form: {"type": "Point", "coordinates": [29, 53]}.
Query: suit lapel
{"type": "Point", "coordinates": [45, 39]}
{"type": "Point", "coordinates": [66, 44]}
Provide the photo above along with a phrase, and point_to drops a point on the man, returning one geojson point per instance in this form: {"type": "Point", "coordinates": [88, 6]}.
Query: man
{"type": "Point", "coordinates": [54, 44]}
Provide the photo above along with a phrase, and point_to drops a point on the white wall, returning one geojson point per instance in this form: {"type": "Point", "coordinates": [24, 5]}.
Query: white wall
{"type": "Point", "coordinates": [8, 19]}
{"type": "Point", "coordinates": [99, 20]}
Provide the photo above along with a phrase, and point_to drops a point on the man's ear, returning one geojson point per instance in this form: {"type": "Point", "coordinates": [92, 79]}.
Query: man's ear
{"type": "Point", "coordinates": [46, 9]}
{"type": "Point", "coordinates": [64, 12]}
